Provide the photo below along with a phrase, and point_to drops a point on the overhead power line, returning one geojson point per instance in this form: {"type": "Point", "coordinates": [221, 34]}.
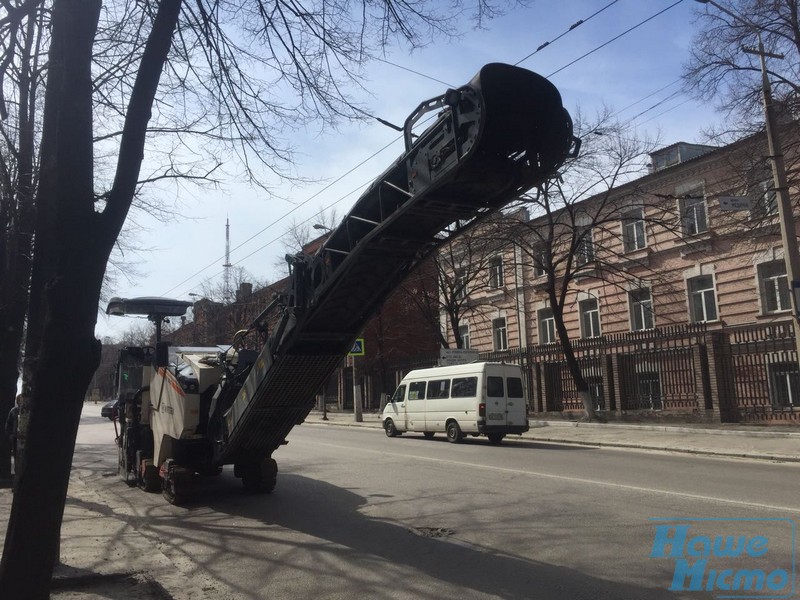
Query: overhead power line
{"type": "Point", "coordinates": [546, 44]}
{"type": "Point", "coordinates": [616, 37]}
{"type": "Point", "coordinates": [570, 29]}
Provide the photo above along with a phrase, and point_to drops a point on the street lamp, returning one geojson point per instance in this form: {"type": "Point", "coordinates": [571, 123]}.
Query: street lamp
{"type": "Point", "coordinates": [785, 215]}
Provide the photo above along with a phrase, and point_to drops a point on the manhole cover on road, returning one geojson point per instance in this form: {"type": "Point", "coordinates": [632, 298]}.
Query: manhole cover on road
{"type": "Point", "coordinates": [433, 532]}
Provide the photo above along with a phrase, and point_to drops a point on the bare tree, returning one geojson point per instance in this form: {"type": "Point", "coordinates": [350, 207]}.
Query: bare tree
{"type": "Point", "coordinates": [719, 70]}
{"type": "Point", "coordinates": [458, 282]}
{"type": "Point", "coordinates": [572, 231]}
{"type": "Point", "coordinates": [300, 233]}
{"type": "Point", "coordinates": [21, 41]}
{"type": "Point", "coordinates": [726, 67]}
{"type": "Point", "coordinates": [139, 333]}
{"type": "Point", "coordinates": [179, 55]}
{"type": "Point", "coordinates": [215, 291]}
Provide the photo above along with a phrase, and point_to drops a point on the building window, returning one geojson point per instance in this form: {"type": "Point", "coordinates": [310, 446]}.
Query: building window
{"type": "Point", "coordinates": [764, 199]}
{"type": "Point", "coordinates": [693, 215]}
{"type": "Point", "coordinates": [496, 272]}
{"type": "Point", "coordinates": [460, 284]}
{"type": "Point", "coordinates": [500, 334]}
{"type": "Point", "coordinates": [774, 287]}
{"type": "Point", "coordinates": [584, 248]}
{"type": "Point", "coordinates": [641, 305]}
{"type": "Point", "coordinates": [590, 318]}
{"type": "Point", "coordinates": [702, 302]}
{"type": "Point", "coordinates": [633, 230]}
{"type": "Point", "coordinates": [539, 263]}
{"type": "Point", "coordinates": [547, 326]}
{"type": "Point", "coordinates": [784, 384]}
{"type": "Point", "coordinates": [463, 332]}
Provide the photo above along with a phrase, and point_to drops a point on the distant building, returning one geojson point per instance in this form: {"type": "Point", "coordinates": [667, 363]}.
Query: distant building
{"type": "Point", "coordinates": [396, 333]}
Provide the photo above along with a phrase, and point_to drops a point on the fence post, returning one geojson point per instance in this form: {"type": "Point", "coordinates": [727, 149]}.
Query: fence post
{"type": "Point", "coordinates": [702, 381]}
{"type": "Point", "coordinates": [609, 385]}
{"type": "Point", "coordinates": [617, 382]}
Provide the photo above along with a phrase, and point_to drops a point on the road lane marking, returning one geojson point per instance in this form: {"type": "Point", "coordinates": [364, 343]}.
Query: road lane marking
{"type": "Point", "coordinates": [570, 479]}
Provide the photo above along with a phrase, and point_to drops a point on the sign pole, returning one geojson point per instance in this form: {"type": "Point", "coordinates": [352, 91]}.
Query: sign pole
{"type": "Point", "coordinates": [357, 412]}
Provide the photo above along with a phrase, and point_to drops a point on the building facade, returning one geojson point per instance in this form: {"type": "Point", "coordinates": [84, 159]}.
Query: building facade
{"type": "Point", "coordinates": [673, 301]}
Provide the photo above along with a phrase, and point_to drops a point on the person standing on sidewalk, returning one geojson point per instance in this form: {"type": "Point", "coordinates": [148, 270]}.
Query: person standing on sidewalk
{"type": "Point", "coordinates": [12, 427]}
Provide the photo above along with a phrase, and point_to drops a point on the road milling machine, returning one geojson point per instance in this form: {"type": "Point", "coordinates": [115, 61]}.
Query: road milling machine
{"type": "Point", "coordinates": [189, 411]}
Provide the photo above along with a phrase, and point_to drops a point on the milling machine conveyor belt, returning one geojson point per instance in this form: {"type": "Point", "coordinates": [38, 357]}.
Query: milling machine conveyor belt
{"type": "Point", "coordinates": [494, 138]}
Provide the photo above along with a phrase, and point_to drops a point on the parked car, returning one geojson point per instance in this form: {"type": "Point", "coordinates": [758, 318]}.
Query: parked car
{"type": "Point", "coordinates": [109, 410]}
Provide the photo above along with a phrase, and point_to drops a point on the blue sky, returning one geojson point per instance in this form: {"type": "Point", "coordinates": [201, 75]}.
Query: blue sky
{"type": "Point", "coordinates": [638, 72]}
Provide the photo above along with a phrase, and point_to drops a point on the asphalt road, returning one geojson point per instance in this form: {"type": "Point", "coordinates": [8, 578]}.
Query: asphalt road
{"type": "Point", "coordinates": [358, 515]}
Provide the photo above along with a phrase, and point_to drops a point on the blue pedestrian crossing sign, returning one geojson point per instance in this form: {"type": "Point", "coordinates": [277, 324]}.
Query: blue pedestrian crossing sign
{"type": "Point", "coordinates": [358, 348]}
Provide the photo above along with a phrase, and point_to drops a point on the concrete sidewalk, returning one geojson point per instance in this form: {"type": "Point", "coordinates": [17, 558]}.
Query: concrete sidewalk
{"type": "Point", "coordinates": [775, 443]}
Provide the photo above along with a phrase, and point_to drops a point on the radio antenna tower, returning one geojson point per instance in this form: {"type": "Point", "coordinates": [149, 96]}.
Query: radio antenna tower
{"type": "Point", "coordinates": [226, 281]}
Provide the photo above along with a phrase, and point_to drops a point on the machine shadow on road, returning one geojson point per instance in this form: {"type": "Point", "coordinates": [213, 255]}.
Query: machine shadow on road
{"type": "Point", "coordinates": [326, 512]}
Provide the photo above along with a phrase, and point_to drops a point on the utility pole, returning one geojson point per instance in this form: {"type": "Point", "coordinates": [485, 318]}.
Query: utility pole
{"type": "Point", "coordinates": [791, 254]}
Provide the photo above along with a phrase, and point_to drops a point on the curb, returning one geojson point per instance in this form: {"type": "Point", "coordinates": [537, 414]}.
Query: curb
{"type": "Point", "coordinates": [670, 428]}
{"type": "Point", "coordinates": [537, 429]}
{"type": "Point", "coordinates": [536, 424]}
{"type": "Point", "coordinates": [695, 451]}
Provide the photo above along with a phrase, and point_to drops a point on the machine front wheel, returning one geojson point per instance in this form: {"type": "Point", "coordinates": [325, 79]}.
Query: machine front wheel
{"type": "Point", "coordinates": [147, 476]}
{"type": "Point", "coordinates": [176, 483]}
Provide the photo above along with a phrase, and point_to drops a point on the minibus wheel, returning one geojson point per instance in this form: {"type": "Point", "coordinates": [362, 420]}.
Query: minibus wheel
{"type": "Point", "coordinates": [389, 428]}
{"type": "Point", "coordinates": [454, 434]}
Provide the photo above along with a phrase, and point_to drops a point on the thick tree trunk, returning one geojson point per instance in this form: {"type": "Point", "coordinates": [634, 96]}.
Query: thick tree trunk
{"type": "Point", "coordinates": [70, 354]}
{"type": "Point", "coordinates": [581, 386]}
{"type": "Point", "coordinates": [66, 277]}
{"type": "Point", "coordinates": [73, 244]}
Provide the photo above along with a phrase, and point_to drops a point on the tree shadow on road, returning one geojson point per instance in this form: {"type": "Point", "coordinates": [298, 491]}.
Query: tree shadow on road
{"type": "Point", "coordinates": [332, 514]}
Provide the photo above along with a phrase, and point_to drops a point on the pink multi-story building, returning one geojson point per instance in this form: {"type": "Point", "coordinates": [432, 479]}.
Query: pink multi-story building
{"type": "Point", "coordinates": [691, 249]}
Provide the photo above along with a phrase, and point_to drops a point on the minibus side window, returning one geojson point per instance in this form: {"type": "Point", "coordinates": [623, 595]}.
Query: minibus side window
{"type": "Point", "coordinates": [514, 387]}
{"type": "Point", "coordinates": [399, 394]}
{"type": "Point", "coordinates": [465, 387]}
{"type": "Point", "coordinates": [494, 387]}
{"type": "Point", "coordinates": [416, 390]}
{"type": "Point", "coordinates": [439, 388]}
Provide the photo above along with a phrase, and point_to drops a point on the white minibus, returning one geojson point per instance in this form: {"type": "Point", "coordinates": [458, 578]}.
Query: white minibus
{"type": "Point", "coordinates": [481, 398]}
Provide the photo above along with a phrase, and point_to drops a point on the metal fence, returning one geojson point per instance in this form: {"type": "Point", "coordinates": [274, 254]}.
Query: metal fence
{"type": "Point", "coordinates": [734, 374]}
{"type": "Point", "coordinates": [763, 370]}
{"type": "Point", "coordinates": [647, 370]}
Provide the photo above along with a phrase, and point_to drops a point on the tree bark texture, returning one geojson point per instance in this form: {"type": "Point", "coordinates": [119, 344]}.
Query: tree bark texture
{"type": "Point", "coordinates": [73, 244]}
